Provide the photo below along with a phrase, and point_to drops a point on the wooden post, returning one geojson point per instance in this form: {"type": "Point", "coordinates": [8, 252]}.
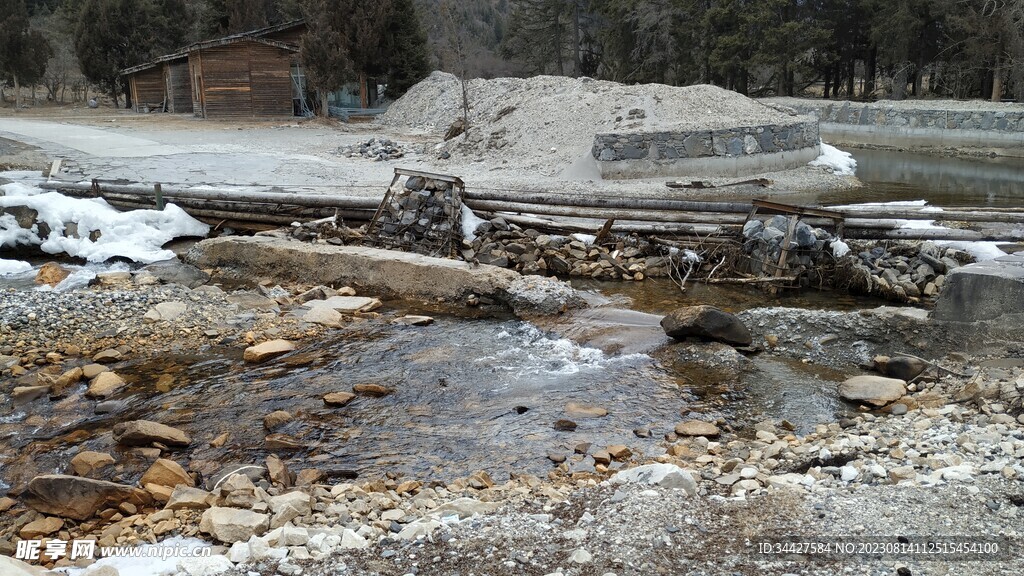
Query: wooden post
{"type": "Point", "coordinates": [158, 191]}
{"type": "Point", "coordinates": [781, 267]}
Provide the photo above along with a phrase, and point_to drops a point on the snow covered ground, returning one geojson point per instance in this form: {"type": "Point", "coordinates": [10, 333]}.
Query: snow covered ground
{"type": "Point", "coordinates": [89, 229]}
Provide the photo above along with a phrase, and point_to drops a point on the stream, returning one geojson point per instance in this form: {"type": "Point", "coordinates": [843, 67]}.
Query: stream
{"type": "Point", "coordinates": [474, 393]}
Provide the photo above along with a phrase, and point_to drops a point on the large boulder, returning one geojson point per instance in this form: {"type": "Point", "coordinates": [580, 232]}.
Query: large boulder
{"type": "Point", "coordinates": [145, 432]}
{"type": "Point", "coordinates": [706, 323]}
{"type": "Point", "coordinates": [874, 390]}
{"type": "Point", "coordinates": [983, 291]}
{"type": "Point", "coordinates": [78, 498]}
{"type": "Point", "coordinates": [86, 462]}
{"type": "Point", "coordinates": [233, 524]}
{"type": "Point", "coordinates": [167, 473]}
{"type": "Point", "coordinates": [52, 274]}
{"type": "Point", "coordinates": [105, 384]}
{"type": "Point", "coordinates": [664, 475]}
{"type": "Point", "coordinates": [174, 271]}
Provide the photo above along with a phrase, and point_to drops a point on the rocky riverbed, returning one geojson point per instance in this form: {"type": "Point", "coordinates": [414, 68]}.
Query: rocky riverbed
{"type": "Point", "coordinates": [942, 457]}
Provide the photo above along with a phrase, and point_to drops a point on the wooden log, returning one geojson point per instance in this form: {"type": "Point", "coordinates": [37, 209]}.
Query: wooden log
{"type": "Point", "coordinates": [923, 234]}
{"type": "Point", "coordinates": [659, 215]}
{"type": "Point", "coordinates": [605, 201]}
{"type": "Point", "coordinates": [582, 226]}
{"type": "Point", "coordinates": [293, 212]}
{"type": "Point", "coordinates": [307, 200]}
{"type": "Point", "coordinates": [216, 214]}
{"type": "Point", "coordinates": [960, 215]}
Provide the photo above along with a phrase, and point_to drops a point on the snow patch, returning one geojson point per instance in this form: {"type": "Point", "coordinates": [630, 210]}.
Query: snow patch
{"type": "Point", "coordinates": [841, 163]}
{"type": "Point", "coordinates": [840, 248]}
{"type": "Point", "coordinates": [470, 222]}
{"type": "Point", "coordinates": [148, 561]}
{"type": "Point", "coordinates": [136, 235]}
{"type": "Point", "coordinates": [12, 267]}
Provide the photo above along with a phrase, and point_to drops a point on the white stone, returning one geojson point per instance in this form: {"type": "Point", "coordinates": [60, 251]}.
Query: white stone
{"type": "Point", "coordinates": [233, 524]}
{"type": "Point", "coordinates": [848, 473]}
{"type": "Point", "coordinates": [748, 472]}
{"type": "Point", "coordinates": [664, 475]}
{"type": "Point", "coordinates": [293, 536]}
{"type": "Point", "coordinates": [239, 553]}
{"type": "Point", "coordinates": [350, 540]}
{"type": "Point", "coordinates": [418, 529]}
{"type": "Point", "coordinates": [260, 549]}
{"type": "Point", "coordinates": [347, 304]}
{"type": "Point", "coordinates": [464, 508]}
{"type": "Point", "coordinates": [580, 556]}
{"type": "Point", "coordinates": [208, 566]}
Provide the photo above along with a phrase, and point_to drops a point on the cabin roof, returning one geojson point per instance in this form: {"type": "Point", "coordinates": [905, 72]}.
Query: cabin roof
{"type": "Point", "coordinates": [257, 35]}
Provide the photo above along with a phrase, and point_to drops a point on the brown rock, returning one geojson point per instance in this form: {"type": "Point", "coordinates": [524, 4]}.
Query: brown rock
{"type": "Point", "coordinates": [578, 410]}
{"type": "Point", "coordinates": [105, 384]}
{"type": "Point", "coordinates": [338, 398]}
{"type": "Point", "coordinates": [267, 350]}
{"type": "Point", "coordinates": [7, 503]}
{"type": "Point", "coordinates": [219, 440]}
{"type": "Point", "coordinates": [145, 432]}
{"type": "Point", "coordinates": [309, 477]}
{"type": "Point", "coordinates": [697, 428]}
{"type": "Point", "coordinates": [66, 380]}
{"type": "Point", "coordinates": [874, 390]}
{"type": "Point", "coordinates": [619, 452]}
{"type": "Point", "coordinates": [276, 419]}
{"type": "Point", "coordinates": [602, 457]}
{"type": "Point", "coordinates": [189, 498]}
{"type": "Point", "coordinates": [282, 442]}
{"type": "Point", "coordinates": [86, 462]}
{"type": "Point", "coordinates": [51, 273]}
{"type": "Point", "coordinates": [38, 528]}
{"type": "Point", "coordinates": [374, 390]}
{"type": "Point", "coordinates": [168, 473]}
{"type": "Point", "coordinates": [159, 493]}
{"type": "Point", "coordinates": [108, 356]}
{"type": "Point", "coordinates": [23, 394]}
{"type": "Point", "coordinates": [90, 371]}
{"type": "Point", "coordinates": [278, 472]}
{"type": "Point", "coordinates": [564, 425]}
{"type": "Point", "coordinates": [75, 497]}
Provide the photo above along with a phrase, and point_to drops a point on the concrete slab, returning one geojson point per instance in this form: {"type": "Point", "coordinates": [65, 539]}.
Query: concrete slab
{"type": "Point", "coordinates": [92, 141]}
{"type": "Point", "coordinates": [382, 272]}
{"type": "Point", "coordinates": [983, 291]}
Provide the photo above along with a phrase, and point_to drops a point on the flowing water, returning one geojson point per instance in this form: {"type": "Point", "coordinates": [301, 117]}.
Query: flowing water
{"type": "Point", "coordinates": [473, 393]}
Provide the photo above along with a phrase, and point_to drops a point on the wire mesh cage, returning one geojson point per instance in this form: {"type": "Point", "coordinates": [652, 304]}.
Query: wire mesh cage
{"type": "Point", "coordinates": [421, 212]}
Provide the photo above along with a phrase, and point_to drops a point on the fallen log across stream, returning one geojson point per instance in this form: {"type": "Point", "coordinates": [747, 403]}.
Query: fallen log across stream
{"type": "Point", "coordinates": [559, 213]}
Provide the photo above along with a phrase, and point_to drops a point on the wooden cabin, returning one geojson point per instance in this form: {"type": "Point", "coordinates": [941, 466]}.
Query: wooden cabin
{"type": "Point", "coordinates": [162, 85]}
{"type": "Point", "coordinates": [248, 75]}
{"type": "Point", "coordinates": [255, 74]}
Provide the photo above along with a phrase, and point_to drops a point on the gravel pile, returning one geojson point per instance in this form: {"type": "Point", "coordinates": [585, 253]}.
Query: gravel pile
{"type": "Point", "coordinates": [375, 148]}
{"type": "Point", "coordinates": [556, 118]}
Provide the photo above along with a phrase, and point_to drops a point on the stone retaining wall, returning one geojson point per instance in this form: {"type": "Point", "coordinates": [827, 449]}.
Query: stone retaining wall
{"type": "Point", "coordinates": [878, 124]}
{"type": "Point", "coordinates": [729, 152]}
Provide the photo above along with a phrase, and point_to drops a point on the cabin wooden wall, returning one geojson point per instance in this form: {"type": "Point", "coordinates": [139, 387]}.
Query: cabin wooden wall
{"type": "Point", "coordinates": [178, 86]}
{"type": "Point", "coordinates": [243, 79]}
{"type": "Point", "coordinates": [147, 87]}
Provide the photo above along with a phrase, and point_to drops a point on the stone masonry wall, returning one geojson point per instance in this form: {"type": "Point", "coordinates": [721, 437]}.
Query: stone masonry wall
{"type": "Point", "coordinates": [878, 115]}
{"type": "Point", "coordinates": [733, 142]}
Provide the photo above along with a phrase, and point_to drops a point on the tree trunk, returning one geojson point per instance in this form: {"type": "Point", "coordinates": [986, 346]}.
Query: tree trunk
{"type": "Point", "coordinates": [828, 84]}
{"type": "Point", "coordinates": [113, 94]}
{"type": "Point", "coordinates": [127, 96]}
{"type": "Point", "coordinates": [870, 66]}
{"type": "Point", "coordinates": [851, 73]}
{"type": "Point", "coordinates": [559, 65]}
{"type": "Point", "coordinates": [325, 110]}
{"type": "Point", "coordinates": [17, 93]}
{"type": "Point", "coordinates": [997, 79]}
{"type": "Point", "coordinates": [577, 62]}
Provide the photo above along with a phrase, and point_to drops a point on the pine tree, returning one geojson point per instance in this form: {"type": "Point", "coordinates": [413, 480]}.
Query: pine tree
{"type": "Point", "coordinates": [23, 51]}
